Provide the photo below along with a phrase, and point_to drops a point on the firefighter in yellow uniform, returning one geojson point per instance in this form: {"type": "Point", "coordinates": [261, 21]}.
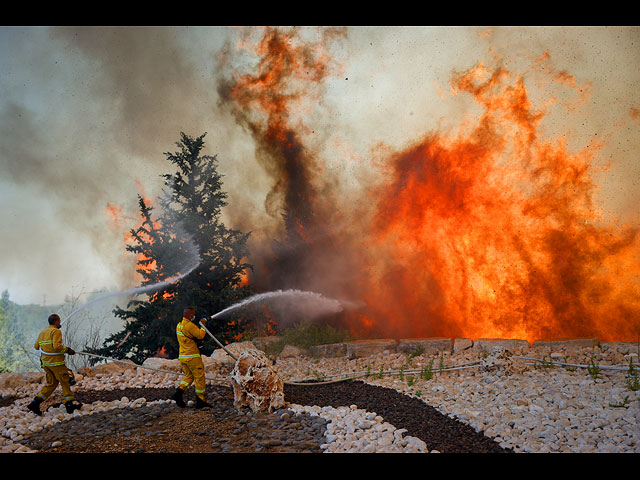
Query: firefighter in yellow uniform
{"type": "Point", "coordinates": [189, 355]}
{"type": "Point", "coordinates": [52, 353]}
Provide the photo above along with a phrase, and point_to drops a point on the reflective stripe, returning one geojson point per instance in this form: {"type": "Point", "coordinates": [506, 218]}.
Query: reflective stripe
{"type": "Point", "coordinates": [189, 356]}
{"type": "Point", "coordinates": [55, 364]}
{"type": "Point", "coordinates": [49, 353]}
{"type": "Point", "coordinates": [200, 391]}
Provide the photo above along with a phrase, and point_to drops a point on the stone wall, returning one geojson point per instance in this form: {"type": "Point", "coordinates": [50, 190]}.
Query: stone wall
{"type": "Point", "coordinates": [437, 345]}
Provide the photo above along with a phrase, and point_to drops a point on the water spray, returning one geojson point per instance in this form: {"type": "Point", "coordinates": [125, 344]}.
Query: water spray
{"type": "Point", "coordinates": [321, 304]}
{"type": "Point", "coordinates": [137, 290]}
{"type": "Point", "coordinates": [326, 304]}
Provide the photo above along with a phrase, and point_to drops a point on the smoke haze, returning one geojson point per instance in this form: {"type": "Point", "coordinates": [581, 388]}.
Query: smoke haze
{"type": "Point", "coordinates": [88, 112]}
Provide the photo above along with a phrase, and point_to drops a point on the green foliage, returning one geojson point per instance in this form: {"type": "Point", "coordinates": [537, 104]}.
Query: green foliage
{"type": "Point", "coordinates": [190, 216]}
{"type": "Point", "coordinates": [426, 373]}
{"type": "Point", "coordinates": [621, 404]}
{"type": "Point", "coordinates": [441, 364]}
{"type": "Point", "coordinates": [13, 355]}
{"type": "Point", "coordinates": [593, 369]}
{"type": "Point", "coordinates": [633, 383]}
{"type": "Point", "coordinates": [567, 367]}
{"type": "Point", "coordinates": [305, 335]}
{"type": "Point", "coordinates": [544, 363]}
{"type": "Point", "coordinates": [419, 350]}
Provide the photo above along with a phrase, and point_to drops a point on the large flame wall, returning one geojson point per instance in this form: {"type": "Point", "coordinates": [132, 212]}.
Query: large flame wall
{"type": "Point", "coordinates": [491, 230]}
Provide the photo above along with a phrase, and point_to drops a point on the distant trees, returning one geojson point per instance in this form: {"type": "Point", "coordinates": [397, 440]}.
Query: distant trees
{"type": "Point", "coordinates": [12, 355]}
{"type": "Point", "coordinates": [188, 227]}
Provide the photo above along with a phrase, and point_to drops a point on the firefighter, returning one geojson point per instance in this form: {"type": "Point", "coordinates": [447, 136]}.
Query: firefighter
{"type": "Point", "coordinates": [189, 355]}
{"type": "Point", "coordinates": [52, 351]}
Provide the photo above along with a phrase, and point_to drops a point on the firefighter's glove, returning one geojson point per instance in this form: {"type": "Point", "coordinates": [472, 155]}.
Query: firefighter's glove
{"type": "Point", "coordinates": [70, 351]}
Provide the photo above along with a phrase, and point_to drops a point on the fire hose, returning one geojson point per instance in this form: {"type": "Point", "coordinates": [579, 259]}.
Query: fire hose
{"type": "Point", "coordinates": [130, 364]}
{"type": "Point", "coordinates": [216, 340]}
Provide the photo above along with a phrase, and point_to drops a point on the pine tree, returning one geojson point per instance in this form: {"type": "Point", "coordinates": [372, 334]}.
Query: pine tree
{"type": "Point", "coordinates": [190, 217]}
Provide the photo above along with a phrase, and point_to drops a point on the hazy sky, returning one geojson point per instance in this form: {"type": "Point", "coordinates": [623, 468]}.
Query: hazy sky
{"type": "Point", "coordinates": [86, 114]}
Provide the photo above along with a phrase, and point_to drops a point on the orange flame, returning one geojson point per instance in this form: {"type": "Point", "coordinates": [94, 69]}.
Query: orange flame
{"type": "Point", "coordinates": [494, 233]}
{"type": "Point", "coordinates": [162, 352]}
{"type": "Point", "coordinates": [118, 221]}
{"type": "Point", "coordinates": [490, 231]}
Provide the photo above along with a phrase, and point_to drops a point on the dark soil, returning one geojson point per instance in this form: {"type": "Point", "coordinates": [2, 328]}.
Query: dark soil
{"type": "Point", "coordinates": [223, 428]}
{"type": "Point", "coordinates": [440, 432]}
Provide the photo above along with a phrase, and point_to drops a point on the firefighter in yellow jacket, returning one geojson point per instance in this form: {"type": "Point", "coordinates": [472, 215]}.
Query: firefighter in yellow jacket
{"type": "Point", "coordinates": [189, 355]}
{"type": "Point", "coordinates": [52, 353]}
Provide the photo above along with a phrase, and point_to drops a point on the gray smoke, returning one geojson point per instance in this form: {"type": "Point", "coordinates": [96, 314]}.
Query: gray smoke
{"type": "Point", "coordinates": [87, 112]}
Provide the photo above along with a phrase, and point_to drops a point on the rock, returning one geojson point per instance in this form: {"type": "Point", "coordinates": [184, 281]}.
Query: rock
{"type": "Point", "coordinates": [255, 383]}
{"type": "Point", "coordinates": [425, 345]}
{"type": "Point", "coordinates": [172, 365]}
{"type": "Point", "coordinates": [499, 360]}
{"type": "Point", "coordinates": [263, 343]}
{"type": "Point", "coordinates": [108, 368]}
{"type": "Point", "coordinates": [292, 351]}
{"type": "Point", "coordinates": [490, 345]}
{"type": "Point", "coordinates": [416, 443]}
{"type": "Point", "coordinates": [566, 343]}
{"type": "Point", "coordinates": [460, 344]}
{"type": "Point", "coordinates": [17, 380]}
{"type": "Point", "coordinates": [365, 348]}
{"type": "Point", "coordinates": [235, 349]}
{"type": "Point", "coordinates": [625, 348]}
{"type": "Point", "coordinates": [211, 365]}
{"type": "Point", "coordinates": [328, 350]}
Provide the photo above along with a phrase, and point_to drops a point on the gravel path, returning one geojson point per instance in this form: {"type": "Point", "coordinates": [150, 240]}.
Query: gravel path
{"type": "Point", "coordinates": [162, 427]}
{"type": "Point", "coordinates": [504, 405]}
{"type": "Point", "coordinates": [439, 432]}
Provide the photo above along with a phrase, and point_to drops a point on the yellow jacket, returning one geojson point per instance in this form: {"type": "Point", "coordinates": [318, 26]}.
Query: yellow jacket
{"type": "Point", "coordinates": [187, 333]}
{"type": "Point", "coordinates": [50, 341]}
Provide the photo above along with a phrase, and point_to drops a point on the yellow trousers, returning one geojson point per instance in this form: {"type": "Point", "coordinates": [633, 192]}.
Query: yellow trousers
{"type": "Point", "coordinates": [194, 371]}
{"type": "Point", "coordinates": [54, 376]}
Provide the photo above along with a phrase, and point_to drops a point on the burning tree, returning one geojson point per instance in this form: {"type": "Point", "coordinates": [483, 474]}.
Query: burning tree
{"type": "Point", "coordinates": [188, 227]}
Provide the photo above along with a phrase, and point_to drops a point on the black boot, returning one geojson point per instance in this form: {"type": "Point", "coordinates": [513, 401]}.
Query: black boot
{"type": "Point", "coordinates": [177, 396]}
{"type": "Point", "coordinates": [34, 406]}
{"type": "Point", "coordinates": [71, 406]}
{"type": "Point", "coordinates": [201, 403]}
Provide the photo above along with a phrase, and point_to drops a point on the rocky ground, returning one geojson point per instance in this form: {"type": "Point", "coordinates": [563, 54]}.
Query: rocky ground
{"type": "Point", "coordinates": [165, 428]}
{"type": "Point", "coordinates": [506, 405]}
